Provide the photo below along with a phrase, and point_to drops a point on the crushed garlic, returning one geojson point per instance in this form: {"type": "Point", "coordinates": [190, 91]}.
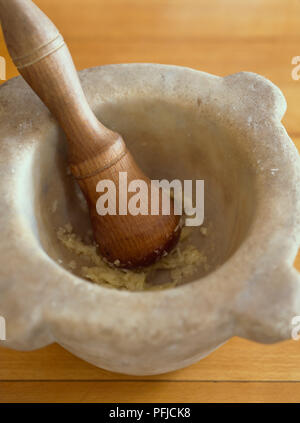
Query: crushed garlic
{"type": "Point", "coordinates": [182, 262]}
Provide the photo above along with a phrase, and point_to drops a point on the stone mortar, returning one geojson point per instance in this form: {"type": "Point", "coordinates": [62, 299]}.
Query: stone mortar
{"type": "Point", "coordinates": [226, 131]}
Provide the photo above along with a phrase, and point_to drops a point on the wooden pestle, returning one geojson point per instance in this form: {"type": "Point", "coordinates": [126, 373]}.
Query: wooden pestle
{"type": "Point", "coordinates": [95, 152]}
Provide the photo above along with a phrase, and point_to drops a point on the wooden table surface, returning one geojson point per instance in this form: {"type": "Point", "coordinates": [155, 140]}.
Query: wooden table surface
{"type": "Point", "coordinates": [217, 36]}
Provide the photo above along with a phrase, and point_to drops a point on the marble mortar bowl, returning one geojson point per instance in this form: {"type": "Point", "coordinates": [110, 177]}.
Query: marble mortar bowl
{"type": "Point", "coordinates": [178, 123]}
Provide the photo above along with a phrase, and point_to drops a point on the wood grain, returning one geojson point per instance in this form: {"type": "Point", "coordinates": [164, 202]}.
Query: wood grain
{"type": "Point", "coordinates": [214, 36]}
{"type": "Point", "coordinates": [115, 392]}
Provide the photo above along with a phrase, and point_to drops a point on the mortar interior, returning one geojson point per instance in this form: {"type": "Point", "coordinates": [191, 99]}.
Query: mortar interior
{"type": "Point", "coordinates": [168, 140]}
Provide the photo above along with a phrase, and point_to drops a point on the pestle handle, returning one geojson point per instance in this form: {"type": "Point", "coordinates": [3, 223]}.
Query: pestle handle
{"type": "Point", "coordinates": [43, 59]}
{"type": "Point", "coordinates": [96, 153]}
